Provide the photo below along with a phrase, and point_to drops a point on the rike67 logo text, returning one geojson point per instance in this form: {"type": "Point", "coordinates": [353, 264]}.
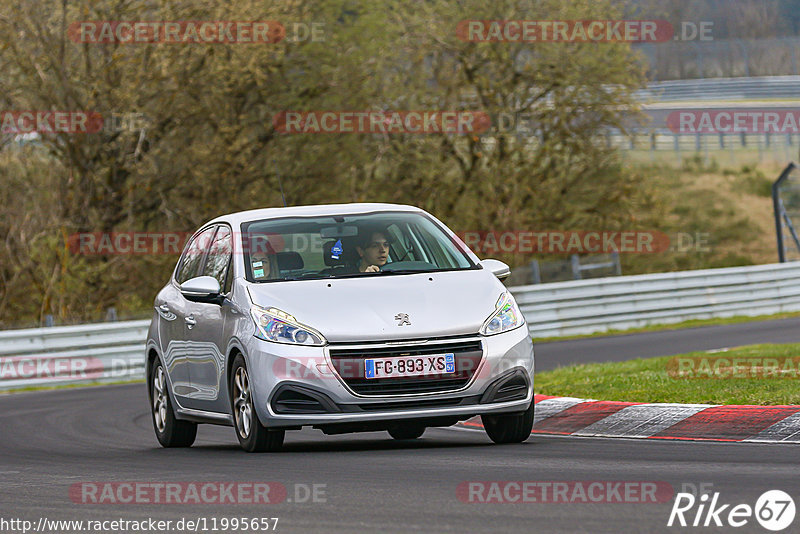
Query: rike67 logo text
{"type": "Point", "coordinates": [774, 510]}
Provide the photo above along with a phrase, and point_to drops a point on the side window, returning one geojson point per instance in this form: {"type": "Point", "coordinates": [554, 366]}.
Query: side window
{"type": "Point", "coordinates": [219, 256]}
{"type": "Point", "coordinates": [433, 244]}
{"type": "Point", "coordinates": [228, 278]}
{"type": "Point", "coordinates": [398, 246]}
{"type": "Point", "coordinates": [193, 255]}
{"type": "Point", "coordinates": [405, 245]}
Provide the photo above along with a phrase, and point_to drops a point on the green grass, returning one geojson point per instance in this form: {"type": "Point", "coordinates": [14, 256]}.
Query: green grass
{"type": "Point", "coordinates": [649, 380]}
{"type": "Point", "coordinates": [693, 323]}
{"type": "Point", "coordinates": [71, 386]}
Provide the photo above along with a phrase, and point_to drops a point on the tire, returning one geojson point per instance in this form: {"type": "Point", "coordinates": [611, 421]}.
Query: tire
{"type": "Point", "coordinates": [509, 428]}
{"type": "Point", "coordinates": [170, 431]}
{"type": "Point", "coordinates": [407, 432]}
{"type": "Point", "coordinates": [252, 435]}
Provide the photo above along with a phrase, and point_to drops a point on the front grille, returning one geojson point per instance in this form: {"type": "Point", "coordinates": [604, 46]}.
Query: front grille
{"type": "Point", "coordinates": [349, 363]}
{"type": "Point", "coordinates": [382, 406]}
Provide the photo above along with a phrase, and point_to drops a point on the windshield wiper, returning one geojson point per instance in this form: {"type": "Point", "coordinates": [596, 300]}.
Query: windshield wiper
{"type": "Point", "coordinates": [308, 276]}
{"type": "Point", "coordinates": [407, 271]}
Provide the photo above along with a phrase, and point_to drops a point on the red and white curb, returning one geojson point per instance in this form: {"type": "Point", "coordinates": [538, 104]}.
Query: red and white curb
{"type": "Point", "coordinates": [712, 422]}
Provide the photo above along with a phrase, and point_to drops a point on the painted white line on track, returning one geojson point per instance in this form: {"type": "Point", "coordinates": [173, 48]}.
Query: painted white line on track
{"type": "Point", "coordinates": [550, 407]}
{"type": "Point", "coordinates": [786, 431]}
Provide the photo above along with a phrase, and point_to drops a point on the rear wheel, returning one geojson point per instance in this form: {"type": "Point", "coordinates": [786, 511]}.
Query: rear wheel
{"type": "Point", "coordinates": [407, 432]}
{"type": "Point", "coordinates": [171, 432]}
{"type": "Point", "coordinates": [514, 428]}
{"type": "Point", "coordinates": [252, 435]}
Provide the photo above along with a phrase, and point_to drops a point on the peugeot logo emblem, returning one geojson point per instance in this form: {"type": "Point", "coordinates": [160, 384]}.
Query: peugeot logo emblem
{"type": "Point", "coordinates": [402, 319]}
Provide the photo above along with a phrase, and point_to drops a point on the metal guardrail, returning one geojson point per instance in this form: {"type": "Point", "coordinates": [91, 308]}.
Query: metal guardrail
{"type": "Point", "coordinates": [43, 357]}
{"type": "Point", "coordinates": [598, 305]}
{"type": "Point", "coordinates": [106, 352]}
{"type": "Point", "coordinates": [751, 88]}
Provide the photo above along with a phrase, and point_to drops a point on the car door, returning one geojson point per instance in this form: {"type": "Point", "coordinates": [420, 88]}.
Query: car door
{"type": "Point", "coordinates": [207, 343]}
{"type": "Point", "coordinates": [173, 311]}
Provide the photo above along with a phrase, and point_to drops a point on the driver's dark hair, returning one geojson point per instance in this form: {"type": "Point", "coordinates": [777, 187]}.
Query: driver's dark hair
{"type": "Point", "coordinates": [365, 234]}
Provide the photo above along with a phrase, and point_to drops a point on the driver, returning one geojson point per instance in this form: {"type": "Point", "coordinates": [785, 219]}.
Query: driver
{"type": "Point", "coordinates": [373, 248]}
{"type": "Point", "coordinates": [263, 262]}
{"type": "Point", "coordinates": [262, 265]}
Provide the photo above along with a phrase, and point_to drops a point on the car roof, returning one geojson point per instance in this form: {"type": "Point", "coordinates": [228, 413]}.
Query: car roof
{"type": "Point", "coordinates": [235, 219]}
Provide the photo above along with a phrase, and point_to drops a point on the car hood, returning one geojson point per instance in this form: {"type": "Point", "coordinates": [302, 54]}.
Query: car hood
{"type": "Point", "coordinates": [364, 308]}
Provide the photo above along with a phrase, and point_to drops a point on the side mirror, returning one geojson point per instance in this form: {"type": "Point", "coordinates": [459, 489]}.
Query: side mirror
{"type": "Point", "coordinates": [498, 268]}
{"type": "Point", "coordinates": [201, 289]}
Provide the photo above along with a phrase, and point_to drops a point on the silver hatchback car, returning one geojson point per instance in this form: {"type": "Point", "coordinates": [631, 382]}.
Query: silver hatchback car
{"type": "Point", "coordinates": [347, 318]}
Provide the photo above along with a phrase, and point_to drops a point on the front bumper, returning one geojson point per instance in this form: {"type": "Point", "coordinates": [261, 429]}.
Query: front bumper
{"type": "Point", "coordinates": [308, 371]}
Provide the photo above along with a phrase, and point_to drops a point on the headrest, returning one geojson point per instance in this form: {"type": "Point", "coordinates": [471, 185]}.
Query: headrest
{"type": "Point", "coordinates": [289, 260]}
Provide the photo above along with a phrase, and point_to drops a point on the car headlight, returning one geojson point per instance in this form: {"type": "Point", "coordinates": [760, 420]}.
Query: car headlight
{"type": "Point", "coordinates": [275, 325]}
{"type": "Point", "coordinates": [505, 317]}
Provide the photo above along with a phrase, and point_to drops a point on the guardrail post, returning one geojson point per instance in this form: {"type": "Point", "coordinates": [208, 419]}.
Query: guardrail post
{"type": "Point", "coordinates": [731, 149]}
{"type": "Point", "coordinates": [536, 274]}
{"type": "Point", "coordinates": [576, 267]}
{"type": "Point", "coordinates": [745, 59]}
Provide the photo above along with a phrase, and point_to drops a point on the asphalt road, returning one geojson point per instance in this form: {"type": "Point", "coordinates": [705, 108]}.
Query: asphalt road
{"type": "Point", "coordinates": [52, 440]}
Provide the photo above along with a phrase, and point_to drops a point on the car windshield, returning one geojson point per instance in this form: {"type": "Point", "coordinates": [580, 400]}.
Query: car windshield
{"type": "Point", "coordinates": [340, 246]}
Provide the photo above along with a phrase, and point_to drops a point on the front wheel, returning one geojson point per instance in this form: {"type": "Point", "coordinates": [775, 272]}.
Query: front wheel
{"type": "Point", "coordinates": [253, 436]}
{"type": "Point", "coordinates": [171, 432]}
{"type": "Point", "coordinates": [514, 428]}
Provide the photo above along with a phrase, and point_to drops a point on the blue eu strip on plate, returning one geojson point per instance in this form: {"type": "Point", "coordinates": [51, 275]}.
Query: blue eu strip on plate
{"type": "Point", "coordinates": [369, 369]}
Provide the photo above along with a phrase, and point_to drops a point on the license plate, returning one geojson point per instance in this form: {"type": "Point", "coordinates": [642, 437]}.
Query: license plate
{"type": "Point", "coordinates": [402, 366]}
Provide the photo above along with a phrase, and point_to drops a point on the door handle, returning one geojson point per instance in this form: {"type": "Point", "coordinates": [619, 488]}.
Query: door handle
{"type": "Point", "coordinates": [166, 313]}
{"type": "Point", "coordinates": [190, 321]}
